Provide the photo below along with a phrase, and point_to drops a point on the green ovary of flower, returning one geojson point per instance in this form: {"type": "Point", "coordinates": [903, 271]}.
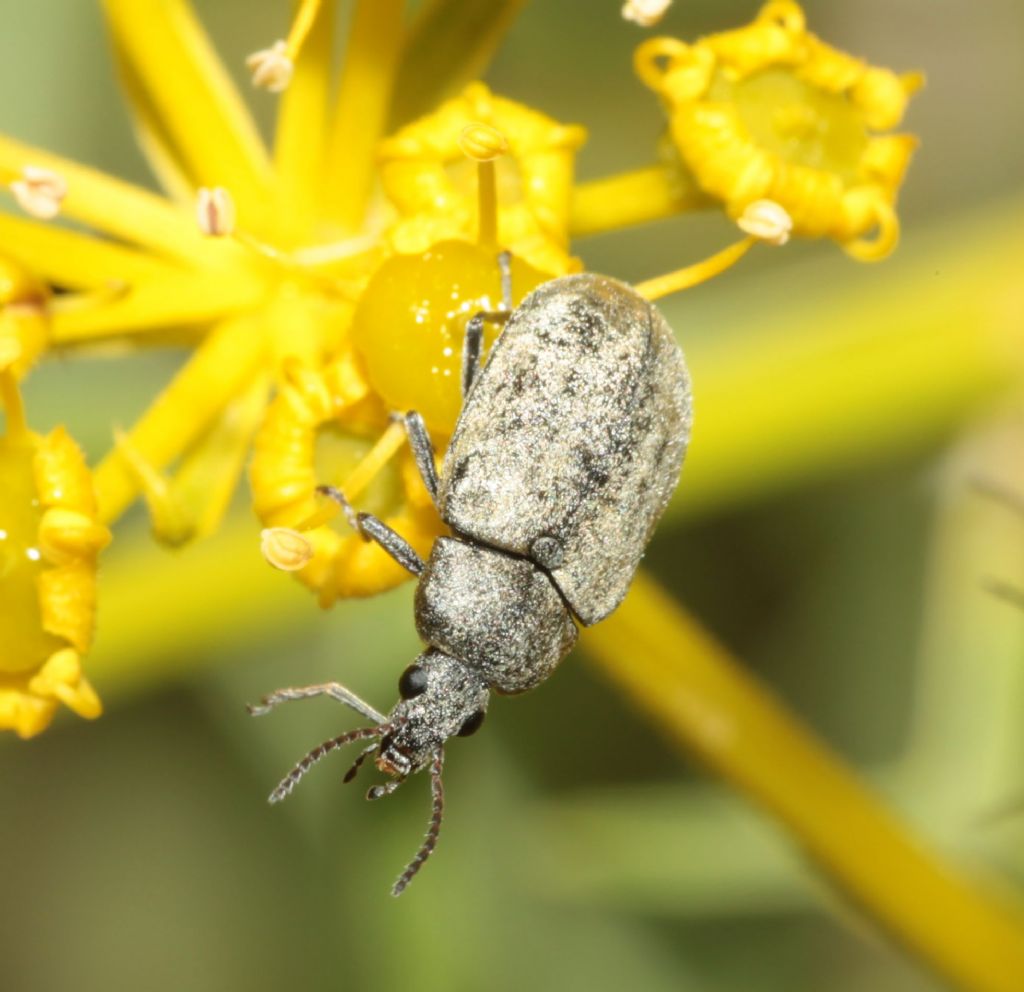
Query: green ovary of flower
{"type": "Point", "coordinates": [799, 122]}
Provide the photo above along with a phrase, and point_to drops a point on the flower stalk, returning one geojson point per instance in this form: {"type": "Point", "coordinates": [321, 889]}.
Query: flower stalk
{"type": "Point", "coordinates": [705, 702]}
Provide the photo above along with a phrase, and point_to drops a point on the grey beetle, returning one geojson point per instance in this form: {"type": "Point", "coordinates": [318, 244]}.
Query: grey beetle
{"type": "Point", "coordinates": [566, 452]}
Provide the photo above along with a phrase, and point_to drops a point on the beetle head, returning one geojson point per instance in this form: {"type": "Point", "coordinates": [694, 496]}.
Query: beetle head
{"type": "Point", "coordinates": [440, 698]}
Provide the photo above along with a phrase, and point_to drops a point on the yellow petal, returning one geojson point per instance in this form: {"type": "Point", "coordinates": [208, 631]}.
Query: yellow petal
{"type": "Point", "coordinates": [61, 677]}
{"type": "Point", "coordinates": [67, 601]}
{"type": "Point", "coordinates": [61, 476]}
{"type": "Point", "coordinates": [69, 534]}
{"type": "Point", "coordinates": [25, 714]}
{"type": "Point", "coordinates": [206, 121]}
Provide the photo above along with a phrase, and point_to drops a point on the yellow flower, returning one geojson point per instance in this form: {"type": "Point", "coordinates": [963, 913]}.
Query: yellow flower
{"type": "Point", "coordinates": [769, 111]}
{"type": "Point", "coordinates": [49, 541]}
{"type": "Point", "coordinates": [288, 272]}
{"type": "Point", "coordinates": [426, 170]}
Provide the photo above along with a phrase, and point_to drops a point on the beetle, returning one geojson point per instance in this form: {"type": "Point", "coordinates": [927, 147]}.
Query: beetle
{"type": "Point", "coordinates": [567, 449]}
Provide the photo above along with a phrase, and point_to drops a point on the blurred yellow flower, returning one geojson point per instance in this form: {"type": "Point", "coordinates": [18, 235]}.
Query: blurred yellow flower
{"type": "Point", "coordinates": [49, 541]}
{"type": "Point", "coordinates": [769, 111]}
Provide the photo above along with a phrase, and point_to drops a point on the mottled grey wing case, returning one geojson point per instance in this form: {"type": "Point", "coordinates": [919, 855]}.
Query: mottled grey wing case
{"type": "Point", "coordinates": [571, 440]}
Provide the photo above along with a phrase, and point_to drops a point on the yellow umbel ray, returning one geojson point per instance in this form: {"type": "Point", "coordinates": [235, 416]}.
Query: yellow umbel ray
{"type": "Point", "coordinates": [125, 212]}
{"type": "Point", "coordinates": [178, 300]}
{"type": "Point", "coordinates": [220, 370]}
{"type": "Point", "coordinates": [361, 113]}
{"type": "Point", "coordinates": [209, 128]}
{"type": "Point", "coordinates": [300, 138]}
{"type": "Point", "coordinates": [76, 261]}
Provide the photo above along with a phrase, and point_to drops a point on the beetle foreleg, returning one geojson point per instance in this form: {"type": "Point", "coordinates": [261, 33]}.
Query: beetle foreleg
{"type": "Point", "coordinates": [371, 528]}
{"type": "Point", "coordinates": [333, 689]}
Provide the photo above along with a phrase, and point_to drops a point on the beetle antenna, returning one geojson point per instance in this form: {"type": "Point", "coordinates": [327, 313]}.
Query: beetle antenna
{"type": "Point", "coordinates": [358, 763]}
{"type": "Point", "coordinates": [430, 841]}
{"type": "Point", "coordinates": [333, 689]}
{"type": "Point", "coordinates": [295, 775]}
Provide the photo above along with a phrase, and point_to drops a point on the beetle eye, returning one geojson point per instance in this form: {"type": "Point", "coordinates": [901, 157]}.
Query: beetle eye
{"type": "Point", "coordinates": [472, 724]}
{"type": "Point", "coordinates": [412, 682]}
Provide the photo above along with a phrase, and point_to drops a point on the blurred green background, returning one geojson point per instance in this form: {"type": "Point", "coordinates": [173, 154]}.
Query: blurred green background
{"type": "Point", "coordinates": [578, 850]}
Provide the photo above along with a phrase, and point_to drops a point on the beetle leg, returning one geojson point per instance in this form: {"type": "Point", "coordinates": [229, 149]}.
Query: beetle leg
{"type": "Point", "coordinates": [472, 344]}
{"type": "Point", "coordinates": [371, 528]}
{"type": "Point", "coordinates": [422, 450]}
{"type": "Point", "coordinates": [505, 268]}
{"type": "Point", "coordinates": [333, 689]}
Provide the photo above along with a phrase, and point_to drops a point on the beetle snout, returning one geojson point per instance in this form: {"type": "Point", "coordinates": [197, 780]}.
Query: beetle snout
{"type": "Point", "coordinates": [391, 760]}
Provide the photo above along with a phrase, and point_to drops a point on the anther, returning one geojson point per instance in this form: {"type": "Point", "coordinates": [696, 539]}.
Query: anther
{"type": "Point", "coordinates": [215, 211]}
{"type": "Point", "coordinates": [481, 142]}
{"type": "Point", "coordinates": [271, 68]}
{"type": "Point", "coordinates": [39, 192]}
{"type": "Point", "coordinates": [767, 221]}
{"type": "Point", "coordinates": [646, 13]}
{"type": "Point", "coordinates": [285, 548]}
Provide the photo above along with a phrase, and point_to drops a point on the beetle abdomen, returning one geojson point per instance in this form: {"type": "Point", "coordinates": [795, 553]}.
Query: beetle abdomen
{"type": "Point", "coordinates": [571, 440]}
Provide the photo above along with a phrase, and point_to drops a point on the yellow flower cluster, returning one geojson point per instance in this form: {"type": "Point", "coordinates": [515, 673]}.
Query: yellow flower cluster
{"type": "Point", "coordinates": [49, 540]}
{"type": "Point", "coordinates": [325, 283]}
{"type": "Point", "coordinates": [769, 111]}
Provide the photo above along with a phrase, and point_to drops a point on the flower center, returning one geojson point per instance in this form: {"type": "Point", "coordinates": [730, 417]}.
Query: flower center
{"type": "Point", "coordinates": [411, 321]}
{"type": "Point", "coordinates": [797, 121]}
{"type": "Point", "coordinates": [26, 644]}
